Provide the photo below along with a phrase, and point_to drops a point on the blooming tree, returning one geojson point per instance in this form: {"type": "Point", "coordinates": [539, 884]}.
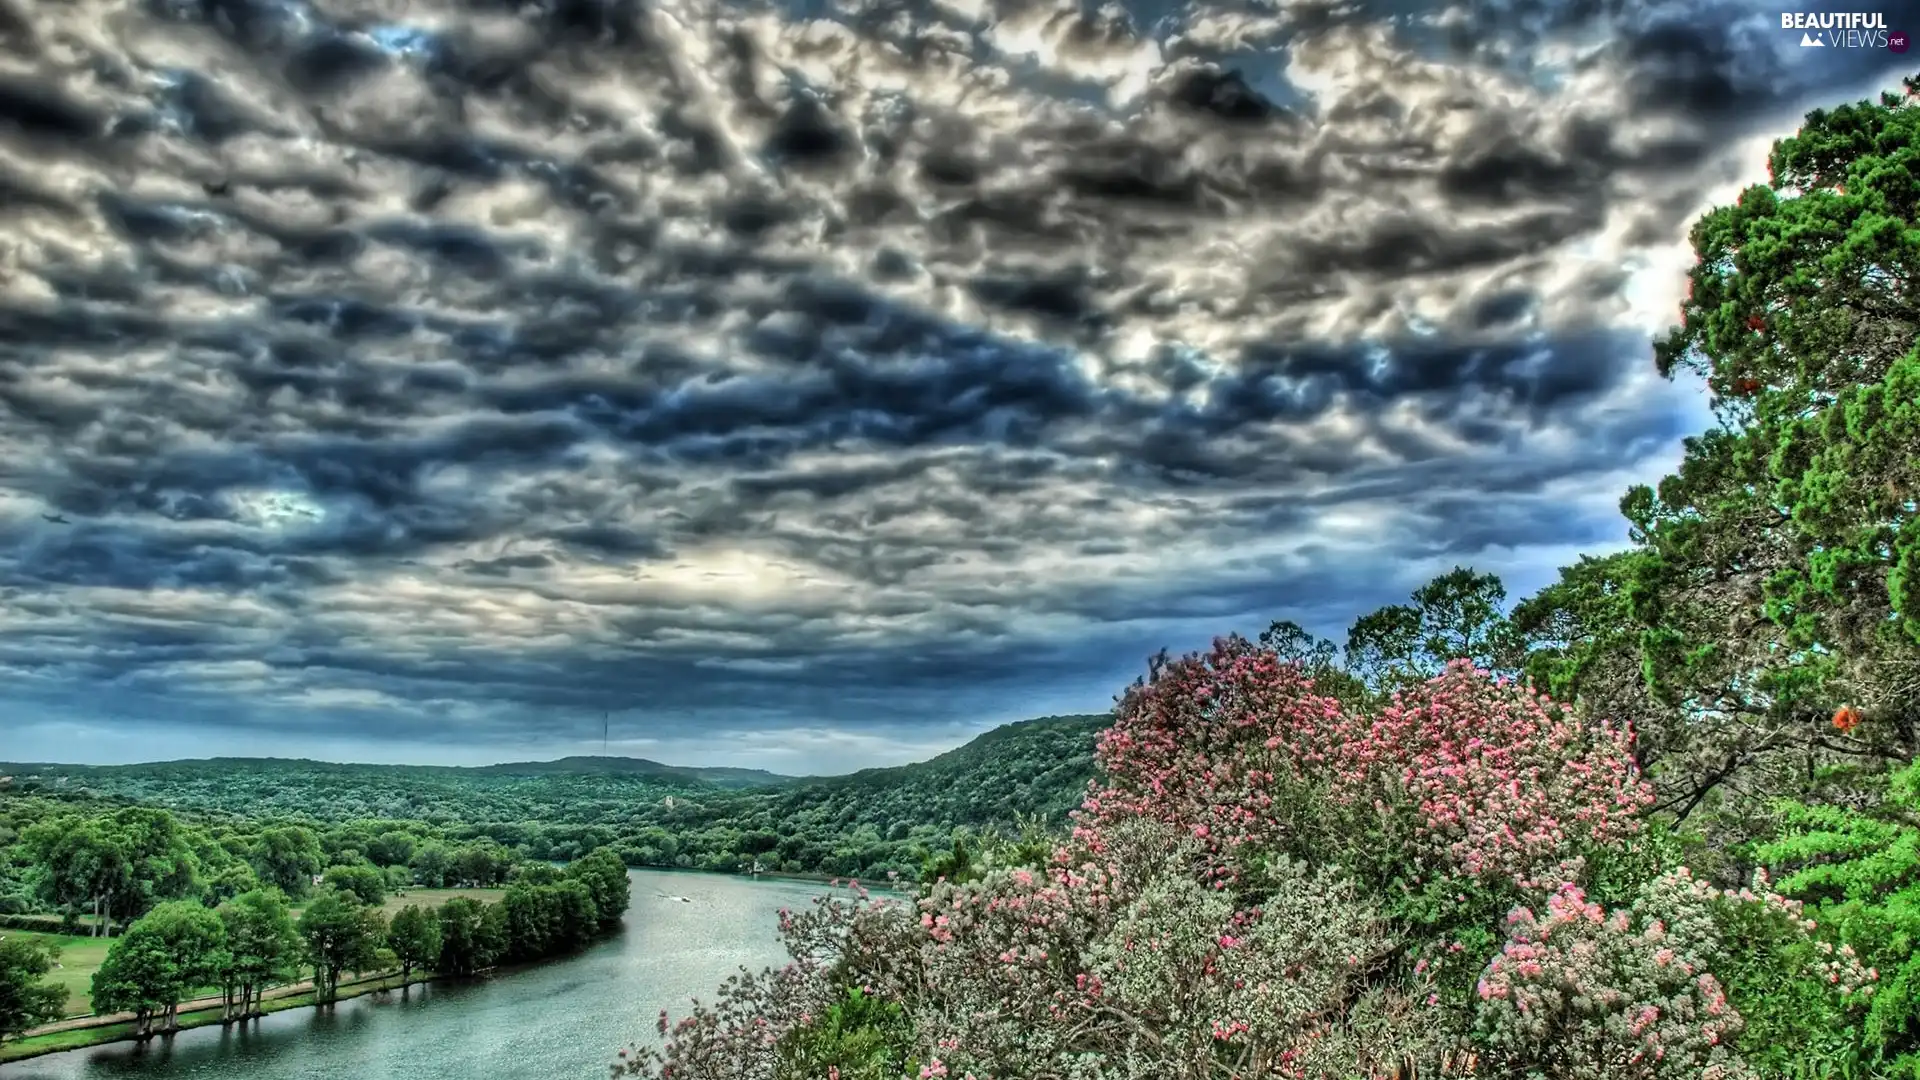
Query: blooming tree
{"type": "Point", "coordinates": [1581, 993]}
{"type": "Point", "coordinates": [1222, 906]}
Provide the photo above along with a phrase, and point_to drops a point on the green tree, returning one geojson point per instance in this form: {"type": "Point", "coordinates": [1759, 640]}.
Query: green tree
{"type": "Point", "coordinates": [1458, 615]}
{"type": "Point", "coordinates": [262, 947]}
{"type": "Point", "coordinates": [340, 935]}
{"type": "Point", "coordinates": [1319, 657]}
{"type": "Point", "coordinates": [391, 848]}
{"type": "Point", "coordinates": [467, 942]}
{"type": "Point", "coordinates": [231, 880]}
{"type": "Point", "coordinates": [605, 877]}
{"type": "Point", "coordinates": [576, 918]}
{"type": "Point", "coordinates": [1775, 574]}
{"type": "Point", "coordinates": [1862, 866]}
{"type": "Point", "coordinates": [481, 865]}
{"type": "Point", "coordinates": [25, 1001]}
{"type": "Point", "coordinates": [431, 863]}
{"type": "Point", "coordinates": [363, 880]}
{"type": "Point", "coordinates": [83, 865]}
{"type": "Point", "coordinates": [530, 921]}
{"type": "Point", "coordinates": [160, 861]}
{"type": "Point", "coordinates": [414, 937]}
{"type": "Point", "coordinates": [287, 858]}
{"type": "Point", "coordinates": [163, 957]}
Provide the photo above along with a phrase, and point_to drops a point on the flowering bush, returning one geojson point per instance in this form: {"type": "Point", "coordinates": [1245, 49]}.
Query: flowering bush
{"type": "Point", "coordinates": [1499, 782]}
{"type": "Point", "coordinates": [1580, 993]}
{"type": "Point", "coordinates": [1462, 776]}
{"type": "Point", "coordinates": [1230, 903]}
{"type": "Point", "coordinates": [1138, 968]}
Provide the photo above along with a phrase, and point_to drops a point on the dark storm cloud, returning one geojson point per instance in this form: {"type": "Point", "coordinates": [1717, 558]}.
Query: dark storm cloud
{"type": "Point", "coordinates": [414, 375]}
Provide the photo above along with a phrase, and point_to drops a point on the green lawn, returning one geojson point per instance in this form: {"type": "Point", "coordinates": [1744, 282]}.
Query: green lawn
{"type": "Point", "coordinates": [426, 898]}
{"type": "Point", "coordinates": [79, 958]}
{"type": "Point", "coordinates": [433, 898]}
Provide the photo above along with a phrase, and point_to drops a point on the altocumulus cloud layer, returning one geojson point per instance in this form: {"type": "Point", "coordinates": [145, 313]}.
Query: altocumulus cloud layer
{"type": "Point", "coordinates": [808, 385]}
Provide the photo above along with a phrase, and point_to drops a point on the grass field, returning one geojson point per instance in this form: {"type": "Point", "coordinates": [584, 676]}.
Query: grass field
{"type": "Point", "coordinates": [433, 898]}
{"type": "Point", "coordinates": [80, 957]}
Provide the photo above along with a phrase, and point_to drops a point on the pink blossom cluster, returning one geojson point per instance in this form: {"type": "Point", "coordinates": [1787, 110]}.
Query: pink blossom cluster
{"type": "Point", "coordinates": [1481, 777]}
{"type": "Point", "coordinates": [1586, 994]}
{"type": "Point", "coordinates": [1503, 782]}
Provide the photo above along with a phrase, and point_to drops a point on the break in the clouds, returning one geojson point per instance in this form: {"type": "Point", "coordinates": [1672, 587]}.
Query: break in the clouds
{"type": "Point", "coordinates": [807, 386]}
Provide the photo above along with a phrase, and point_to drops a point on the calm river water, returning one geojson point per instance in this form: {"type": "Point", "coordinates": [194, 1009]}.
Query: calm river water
{"type": "Point", "coordinates": [560, 1021]}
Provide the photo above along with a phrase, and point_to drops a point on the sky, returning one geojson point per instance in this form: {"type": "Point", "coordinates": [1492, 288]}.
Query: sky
{"type": "Point", "coordinates": [812, 385]}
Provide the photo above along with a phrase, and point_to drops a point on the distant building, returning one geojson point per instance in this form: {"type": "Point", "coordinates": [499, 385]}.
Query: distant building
{"type": "Point", "coordinates": [5, 780]}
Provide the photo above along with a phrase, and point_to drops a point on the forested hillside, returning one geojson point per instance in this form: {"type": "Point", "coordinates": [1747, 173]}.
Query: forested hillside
{"type": "Point", "coordinates": [865, 823]}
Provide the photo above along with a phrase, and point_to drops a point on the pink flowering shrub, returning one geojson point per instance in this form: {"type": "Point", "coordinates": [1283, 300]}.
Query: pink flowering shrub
{"type": "Point", "coordinates": [1232, 747]}
{"type": "Point", "coordinates": [1135, 965]}
{"type": "Point", "coordinates": [1128, 965]}
{"type": "Point", "coordinates": [1497, 782]}
{"type": "Point", "coordinates": [1235, 901]}
{"type": "Point", "coordinates": [1581, 993]}
{"type": "Point", "coordinates": [1459, 777]}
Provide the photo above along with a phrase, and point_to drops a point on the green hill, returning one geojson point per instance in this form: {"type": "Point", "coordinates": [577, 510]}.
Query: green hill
{"type": "Point", "coordinates": [862, 823]}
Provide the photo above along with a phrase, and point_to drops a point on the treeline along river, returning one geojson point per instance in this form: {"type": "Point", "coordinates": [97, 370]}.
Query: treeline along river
{"type": "Point", "coordinates": [563, 1020]}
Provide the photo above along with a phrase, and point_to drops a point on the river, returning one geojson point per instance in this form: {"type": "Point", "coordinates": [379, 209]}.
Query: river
{"type": "Point", "coordinates": [564, 1020]}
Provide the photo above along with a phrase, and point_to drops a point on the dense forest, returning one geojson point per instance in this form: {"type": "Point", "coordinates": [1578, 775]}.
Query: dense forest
{"type": "Point", "coordinates": [865, 824]}
{"type": "Point", "coordinates": [1658, 821]}
{"type": "Point", "coordinates": [193, 906]}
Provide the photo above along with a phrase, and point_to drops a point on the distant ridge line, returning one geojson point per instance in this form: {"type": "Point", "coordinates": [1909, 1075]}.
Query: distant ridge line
{"type": "Point", "coordinates": [571, 765]}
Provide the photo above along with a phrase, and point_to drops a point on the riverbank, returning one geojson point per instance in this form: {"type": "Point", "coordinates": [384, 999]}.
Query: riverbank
{"type": "Point", "coordinates": [81, 1032]}
{"type": "Point", "coordinates": [559, 1019]}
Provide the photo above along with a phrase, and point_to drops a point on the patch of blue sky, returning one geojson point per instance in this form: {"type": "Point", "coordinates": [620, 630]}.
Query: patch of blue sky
{"type": "Point", "coordinates": [404, 42]}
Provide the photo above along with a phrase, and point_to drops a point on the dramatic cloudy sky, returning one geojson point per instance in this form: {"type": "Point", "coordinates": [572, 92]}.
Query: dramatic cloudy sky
{"type": "Point", "coordinates": [810, 386]}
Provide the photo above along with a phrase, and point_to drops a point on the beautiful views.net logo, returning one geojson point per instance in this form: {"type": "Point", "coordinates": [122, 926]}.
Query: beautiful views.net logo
{"type": "Point", "coordinates": [1844, 30]}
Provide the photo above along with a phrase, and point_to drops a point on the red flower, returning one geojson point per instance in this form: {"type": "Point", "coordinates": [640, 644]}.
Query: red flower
{"type": "Point", "coordinates": [1756, 323]}
{"type": "Point", "coordinates": [1845, 719]}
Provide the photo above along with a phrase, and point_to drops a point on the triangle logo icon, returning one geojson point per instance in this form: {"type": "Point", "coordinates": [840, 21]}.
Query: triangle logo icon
{"type": "Point", "coordinates": [1808, 41]}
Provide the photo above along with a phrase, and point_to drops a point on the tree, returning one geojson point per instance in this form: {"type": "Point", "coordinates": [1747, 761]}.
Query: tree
{"type": "Point", "coordinates": [363, 881]}
{"type": "Point", "coordinates": [467, 942]}
{"type": "Point", "coordinates": [1456, 616]}
{"type": "Point", "coordinates": [287, 858]}
{"type": "Point", "coordinates": [231, 880]}
{"type": "Point", "coordinates": [25, 1001]}
{"type": "Point", "coordinates": [1777, 572]}
{"type": "Point", "coordinates": [83, 865]}
{"type": "Point", "coordinates": [1317, 656]}
{"type": "Point", "coordinates": [391, 848]}
{"type": "Point", "coordinates": [431, 863]}
{"type": "Point", "coordinates": [261, 948]}
{"type": "Point", "coordinates": [160, 861]}
{"type": "Point", "coordinates": [605, 876]}
{"type": "Point", "coordinates": [340, 935]}
{"type": "Point", "coordinates": [481, 865]}
{"type": "Point", "coordinates": [163, 957]}
{"type": "Point", "coordinates": [414, 937]}
{"type": "Point", "coordinates": [530, 921]}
